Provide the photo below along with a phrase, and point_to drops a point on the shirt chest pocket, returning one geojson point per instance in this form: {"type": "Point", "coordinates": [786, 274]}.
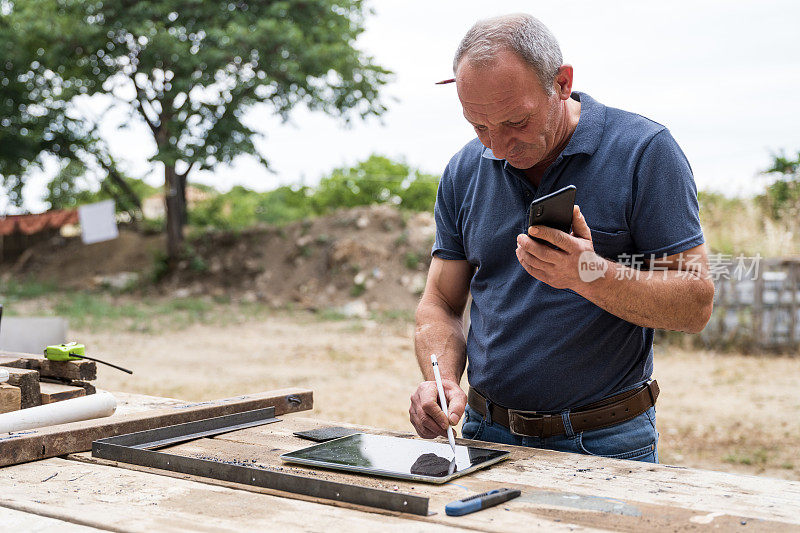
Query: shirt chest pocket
{"type": "Point", "coordinates": [612, 244]}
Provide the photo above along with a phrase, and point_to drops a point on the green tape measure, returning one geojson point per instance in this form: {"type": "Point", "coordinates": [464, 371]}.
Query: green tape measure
{"type": "Point", "coordinates": [72, 351]}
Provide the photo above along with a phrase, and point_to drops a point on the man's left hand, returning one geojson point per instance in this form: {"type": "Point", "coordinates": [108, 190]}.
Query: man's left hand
{"type": "Point", "coordinates": [558, 268]}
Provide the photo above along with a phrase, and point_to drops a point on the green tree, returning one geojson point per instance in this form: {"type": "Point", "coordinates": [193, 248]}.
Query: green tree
{"type": "Point", "coordinates": [35, 119]}
{"type": "Point", "coordinates": [782, 197]}
{"type": "Point", "coordinates": [189, 70]}
{"type": "Point", "coordinates": [64, 191]}
{"type": "Point", "coordinates": [70, 188]}
{"type": "Point", "coordinates": [31, 121]}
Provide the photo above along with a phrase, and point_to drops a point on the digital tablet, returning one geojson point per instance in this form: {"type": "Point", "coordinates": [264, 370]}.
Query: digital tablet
{"type": "Point", "coordinates": [380, 455]}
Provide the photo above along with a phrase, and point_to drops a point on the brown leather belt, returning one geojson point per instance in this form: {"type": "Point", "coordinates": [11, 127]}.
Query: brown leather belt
{"type": "Point", "coordinates": [607, 412]}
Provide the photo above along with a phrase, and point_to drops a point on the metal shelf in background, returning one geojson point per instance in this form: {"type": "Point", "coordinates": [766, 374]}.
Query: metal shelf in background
{"type": "Point", "coordinates": [138, 449]}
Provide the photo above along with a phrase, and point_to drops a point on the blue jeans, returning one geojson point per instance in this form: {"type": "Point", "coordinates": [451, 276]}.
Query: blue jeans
{"type": "Point", "coordinates": [636, 439]}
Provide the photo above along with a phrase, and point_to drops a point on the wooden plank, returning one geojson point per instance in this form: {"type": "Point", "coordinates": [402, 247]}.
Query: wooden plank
{"type": "Point", "coordinates": [13, 520]}
{"type": "Point", "coordinates": [128, 500]}
{"type": "Point", "coordinates": [85, 385]}
{"type": "Point", "coordinates": [28, 383]}
{"type": "Point", "coordinates": [78, 436]}
{"type": "Point", "coordinates": [10, 360]}
{"type": "Point", "coordinates": [55, 392]}
{"type": "Point", "coordinates": [82, 370]}
{"type": "Point", "coordinates": [10, 398]}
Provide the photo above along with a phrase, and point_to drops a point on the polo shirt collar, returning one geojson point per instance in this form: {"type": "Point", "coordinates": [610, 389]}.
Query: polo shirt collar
{"type": "Point", "coordinates": [586, 137]}
{"type": "Point", "coordinates": [488, 154]}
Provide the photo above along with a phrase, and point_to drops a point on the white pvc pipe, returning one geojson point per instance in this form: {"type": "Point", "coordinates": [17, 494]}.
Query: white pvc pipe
{"type": "Point", "coordinates": [95, 405]}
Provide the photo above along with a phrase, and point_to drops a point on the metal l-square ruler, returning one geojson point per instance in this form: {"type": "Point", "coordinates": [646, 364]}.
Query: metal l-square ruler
{"type": "Point", "coordinates": [139, 449]}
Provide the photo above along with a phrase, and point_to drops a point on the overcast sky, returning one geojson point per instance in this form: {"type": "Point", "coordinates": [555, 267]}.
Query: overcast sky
{"type": "Point", "coordinates": [719, 74]}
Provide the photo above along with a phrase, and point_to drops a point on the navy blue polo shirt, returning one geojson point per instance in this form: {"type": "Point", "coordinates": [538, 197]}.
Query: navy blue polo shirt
{"type": "Point", "coordinates": [531, 346]}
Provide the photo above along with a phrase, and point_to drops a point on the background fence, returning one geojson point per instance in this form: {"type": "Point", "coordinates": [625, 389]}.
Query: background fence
{"type": "Point", "coordinates": [757, 310]}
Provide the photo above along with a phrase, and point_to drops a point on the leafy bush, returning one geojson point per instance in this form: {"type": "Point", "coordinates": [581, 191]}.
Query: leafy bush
{"type": "Point", "coordinates": [420, 194]}
{"type": "Point", "coordinates": [241, 207]}
{"type": "Point", "coordinates": [377, 180]}
{"type": "Point", "coordinates": [284, 204]}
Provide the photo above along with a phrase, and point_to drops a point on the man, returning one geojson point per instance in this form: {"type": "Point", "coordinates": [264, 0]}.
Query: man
{"type": "Point", "coordinates": [555, 361]}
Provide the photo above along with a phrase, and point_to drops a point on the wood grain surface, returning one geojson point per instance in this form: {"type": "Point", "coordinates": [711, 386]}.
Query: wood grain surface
{"type": "Point", "coordinates": [51, 441]}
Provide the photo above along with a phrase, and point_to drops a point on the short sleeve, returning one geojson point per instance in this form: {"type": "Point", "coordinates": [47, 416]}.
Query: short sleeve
{"type": "Point", "coordinates": [665, 217]}
{"type": "Point", "coordinates": [449, 243]}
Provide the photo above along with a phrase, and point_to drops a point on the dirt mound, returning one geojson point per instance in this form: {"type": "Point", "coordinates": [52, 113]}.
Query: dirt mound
{"type": "Point", "coordinates": [359, 260]}
{"type": "Point", "coordinates": [362, 259]}
{"type": "Point", "coordinates": [70, 264]}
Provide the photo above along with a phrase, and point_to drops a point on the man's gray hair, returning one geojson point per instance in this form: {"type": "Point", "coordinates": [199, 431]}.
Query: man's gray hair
{"type": "Point", "coordinates": [520, 33]}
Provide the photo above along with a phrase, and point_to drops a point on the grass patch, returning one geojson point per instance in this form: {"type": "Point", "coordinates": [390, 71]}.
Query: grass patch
{"type": "Point", "coordinates": [357, 290]}
{"type": "Point", "coordinates": [392, 315]}
{"type": "Point", "coordinates": [88, 310]}
{"type": "Point", "coordinates": [412, 260]}
{"type": "Point", "coordinates": [111, 311]}
{"type": "Point", "coordinates": [194, 306]}
{"type": "Point", "coordinates": [355, 327]}
{"type": "Point", "coordinates": [757, 457]}
{"type": "Point", "coordinates": [13, 290]}
{"type": "Point", "coordinates": [339, 356]}
{"type": "Point", "coordinates": [330, 315]}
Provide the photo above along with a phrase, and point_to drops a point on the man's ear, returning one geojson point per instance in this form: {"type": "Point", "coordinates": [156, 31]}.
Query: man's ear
{"type": "Point", "coordinates": [563, 81]}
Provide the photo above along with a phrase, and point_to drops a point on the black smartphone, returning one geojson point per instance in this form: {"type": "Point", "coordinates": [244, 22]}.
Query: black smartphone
{"type": "Point", "coordinates": [553, 210]}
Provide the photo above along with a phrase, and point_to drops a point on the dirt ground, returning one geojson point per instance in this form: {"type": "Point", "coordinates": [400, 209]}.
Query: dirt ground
{"type": "Point", "coordinates": [719, 411]}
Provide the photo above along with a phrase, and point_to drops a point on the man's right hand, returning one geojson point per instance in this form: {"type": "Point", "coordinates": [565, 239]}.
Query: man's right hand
{"type": "Point", "coordinates": [426, 414]}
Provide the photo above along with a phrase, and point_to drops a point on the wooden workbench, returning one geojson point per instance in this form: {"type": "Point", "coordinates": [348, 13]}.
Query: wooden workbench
{"type": "Point", "coordinates": [560, 491]}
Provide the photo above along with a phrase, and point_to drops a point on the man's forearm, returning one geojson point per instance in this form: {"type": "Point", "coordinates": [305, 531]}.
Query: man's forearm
{"type": "Point", "coordinates": [664, 299]}
{"type": "Point", "coordinates": [439, 330]}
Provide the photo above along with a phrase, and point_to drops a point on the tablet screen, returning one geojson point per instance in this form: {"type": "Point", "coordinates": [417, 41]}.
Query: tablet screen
{"type": "Point", "coordinates": [382, 455]}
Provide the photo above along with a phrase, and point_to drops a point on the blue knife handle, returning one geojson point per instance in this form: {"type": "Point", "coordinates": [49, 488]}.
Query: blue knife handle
{"type": "Point", "coordinates": [480, 501]}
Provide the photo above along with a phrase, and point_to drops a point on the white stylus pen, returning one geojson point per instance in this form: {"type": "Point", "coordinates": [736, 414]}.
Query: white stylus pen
{"type": "Point", "coordinates": [443, 401]}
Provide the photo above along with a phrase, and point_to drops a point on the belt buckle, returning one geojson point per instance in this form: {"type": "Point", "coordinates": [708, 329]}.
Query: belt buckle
{"type": "Point", "coordinates": [515, 416]}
